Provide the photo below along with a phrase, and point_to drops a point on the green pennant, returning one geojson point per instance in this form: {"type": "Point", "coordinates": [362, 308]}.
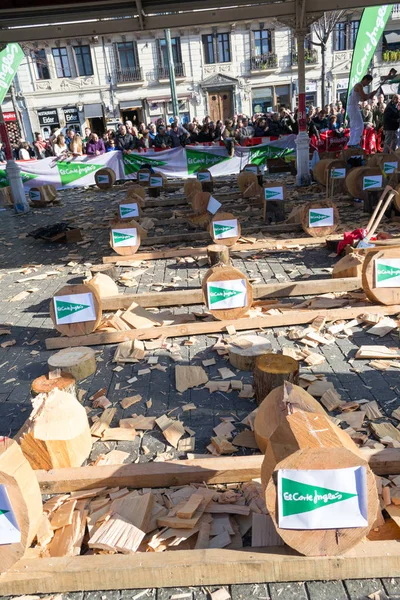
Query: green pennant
{"type": "Point", "coordinates": [126, 211]}
{"type": "Point", "coordinates": [315, 216]}
{"type": "Point", "coordinates": [134, 162]}
{"type": "Point", "coordinates": [259, 156]}
{"type": "Point", "coordinates": [385, 272]}
{"type": "Point", "coordinates": [299, 497]}
{"type": "Point", "coordinates": [3, 511]}
{"type": "Point", "coordinates": [65, 309]}
{"type": "Point", "coordinates": [218, 229]}
{"type": "Point", "coordinates": [4, 182]}
{"type": "Point", "coordinates": [217, 294]}
{"type": "Point", "coordinates": [270, 194]}
{"type": "Point", "coordinates": [70, 172]}
{"type": "Point", "coordinates": [119, 237]}
{"type": "Point", "coordinates": [368, 183]}
{"type": "Point", "coordinates": [198, 160]}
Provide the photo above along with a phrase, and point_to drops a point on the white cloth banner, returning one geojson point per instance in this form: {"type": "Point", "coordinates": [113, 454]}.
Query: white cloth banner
{"type": "Point", "coordinates": [176, 162]}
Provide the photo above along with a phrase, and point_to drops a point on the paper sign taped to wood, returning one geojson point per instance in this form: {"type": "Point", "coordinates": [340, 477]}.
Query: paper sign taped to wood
{"type": "Point", "coordinates": [144, 176]}
{"type": "Point", "coordinates": [204, 176]}
{"type": "Point", "coordinates": [227, 294]}
{"type": "Point", "coordinates": [322, 499]}
{"type": "Point", "coordinates": [34, 194]}
{"type": "Point", "coordinates": [103, 179]}
{"type": "Point", "coordinates": [9, 530]}
{"type": "Point", "coordinates": [274, 193]}
{"type": "Point", "coordinates": [390, 167]}
{"type": "Point", "coordinates": [74, 308]}
{"type": "Point", "coordinates": [387, 273]}
{"type": "Point", "coordinates": [225, 229]}
{"type": "Point", "coordinates": [321, 217]}
{"type": "Point", "coordinates": [128, 210]}
{"type": "Point", "coordinates": [338, 173]}
{"type": "Point", "coordinates": [213, 205]}
{"type": "Point", "coordinates": [156, 181]}
{"type": "Point", "coordinates": [251, 169]}
{"type": "Point", "coordinates": [371, 182]}
{"type": "Point", "coordinates": [124, 237]}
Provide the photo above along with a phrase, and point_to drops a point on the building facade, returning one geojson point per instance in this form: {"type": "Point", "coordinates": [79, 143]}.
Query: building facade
{"type": "Point", "coordinates": [245, 67]}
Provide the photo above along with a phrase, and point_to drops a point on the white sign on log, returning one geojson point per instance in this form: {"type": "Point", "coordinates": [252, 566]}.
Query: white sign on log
{"type": "Point", "coordinates": [372, 182]}
{"type": "Point", "coordinates": [251, 169]}
{"type": "Point", "coordinates": [103, 179]}
{"type": "Point", "coordinates": [9, 530]}
{"type": "Point", "coordinates": [156, 181]}
{"type": "Point", "coordinates": [338, 173]}
{"type": "Point", "coordinates": [124, 237]}
{"type": "Point", "coordinates": [390, 167]}
{"type": "Point", "coordinates": [74, 308]}
{"type": "Point", "coordinates": [204, 176]}
{"type": "Point", "coordinates": [128, 210]}
{"type": "Point", "coordinates": [321, 217]}
{"type": "Point", "coordinates": [34, 194]}
{"type": "Point", "coordinates": [387, 272]}
{"type": "Point", "coordinates": [213, 205]}
{"type": "Point", "coordinates": [225, 229]}
{"type": "Point", "coordinates": [227, 294]}
{"type": "Point", "coordinates": [144, 176]}
{"type": "Point", "coordinates": [322, 499]}
{"type": "Point", "coordinates": [274, 193]}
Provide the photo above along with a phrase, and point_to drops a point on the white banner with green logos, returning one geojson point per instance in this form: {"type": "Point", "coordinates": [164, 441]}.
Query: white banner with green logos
{"type": "Point", "coordinates": [176, 162]}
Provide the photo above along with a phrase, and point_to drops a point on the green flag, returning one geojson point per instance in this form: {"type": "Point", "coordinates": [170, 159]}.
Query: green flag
{"type": "Point", "coordinates": [370, 31]}
{"type": "Point", "coordinates": [10, 59]}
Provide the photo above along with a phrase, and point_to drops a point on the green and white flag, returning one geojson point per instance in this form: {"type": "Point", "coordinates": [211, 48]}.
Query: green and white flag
{"type": "Point", "coordinates": [322, 499]}
{"type": "Point", "coordinates": [144, 176]}
{"type": "Point", "coordinates": [10, 59]}
{"type": "Point", "coordinates": [156, 181]}
{"type": "Point", "coordinates": [124, 237]}
{"type": "Point", "coordinates": [9, 529]}
{"type": "Point", "coordinates": [129, 210]}
{"type": "Point", "coordinates": [370, 31]}
{"type": "Point", "coordinates": [74, 308]}
{"type": "Point", "coordinates": [321, 217]}
{"type": "Point", "coordinates": [387, 273]}
{"type": "Point", "coordinates": [338, 173]}
{"type": "Point", "coordinates": [204, 176]}
{"type": "Point", "coordinates": [225, 229]}
{"type": "Point", "coordinates": [103, 179]}
{"type": "Point", "coordinates": [213, 205]}
{"type": "Point", "coordinates": [251, 169]}
{"type": "Point", "coordinates": [273, 193]}
{"type": "Point", "coordinates": [390, 167]}
{"type": "Point", "coordinates": [227, 294]}
{"type": "Point", "coordinates": [370, 182]}
{"type": "Point", "coordinates": [34, 194]}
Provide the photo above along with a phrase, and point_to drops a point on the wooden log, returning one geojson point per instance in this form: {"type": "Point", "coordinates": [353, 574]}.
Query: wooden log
{"type": "Point", "coordinates": [220, 285]}
{"type": "Point", "coordinates": [57, 433]}
{"type": "Point", "coordinates": [68, 302]}
{"type": "Point", "coordinates": [6, 198]}
{"type": "Point", "coordinates": [247, 181]}
{"type": "Point", "coordinates": [245, 358]}
{"type": "Point", "coordinates": [127, 242]}
{"type": "Point", "coordinates": [222, 225]}
{"type": "Point", "coordinates": [46, 384]}
{"type": "Point", "coordinates": [378, 160]}
{"type": "Point", "coordinates": [105, 178]}
{"type": "Point", "coordinates": [218, 254]}
{"type": "Point", "coordinates": [381, 276]}
{"type": "Point", "coordinates": [273, 410]}
{"type": "Point", "coordinates": [104, 285]}
{"type": "Point", "coordinates": [78, 362]}
{"type": "Point", "coordinates": [270, 371]}
{"type": "Point", "coordinates": [206, 180]}
{"type": "Point", "coordinates": [135, 191]}
{"type": "Point", "coordinates": [348, 266]}
{"type": "Point", "coordinates": [352, 152]}
{"type": "Point", "coordinates": [355, 178]}
{"type": "Point", "coordinates": [323, 168]}
{"type": "Point", "coordinates": [191, 186]}
{"type": "Point", "coordinates": [43, 193]}
{"type": "Point", "coordinates": [107, 269]}
{"type": "Point", "coordinates": [310, 441]}
{"type": "Point", "coordinates": [25, 498]}
{"type": "Point", "coordinates": [199, 202]}
{"type": "Point", "coordinates": [314, 216]}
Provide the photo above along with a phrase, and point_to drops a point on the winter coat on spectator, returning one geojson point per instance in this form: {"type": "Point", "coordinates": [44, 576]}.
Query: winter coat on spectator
{"type": "Point", "coordinates": [391, 117]}
{"type": "Point", "coordinates": [98, 146]}
{"type": "Point", "coordinates": [127, 142]}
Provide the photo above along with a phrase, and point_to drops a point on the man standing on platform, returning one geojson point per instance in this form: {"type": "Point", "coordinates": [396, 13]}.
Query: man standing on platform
{"type": "Point", "coordinates": [356, 96]}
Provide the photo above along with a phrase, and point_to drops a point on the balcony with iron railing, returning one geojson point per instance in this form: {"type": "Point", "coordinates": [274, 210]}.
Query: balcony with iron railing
{"type": "Point", "coordinates": [263, 62]}
{"type": "Point", "coordinates": [310, 57]}
{"type": "Point", "coordinates": [389, 56]}
{"type": "Point", "coordinates": [163, 72]}
{"type": "Point", "coordinates": [129, 75]}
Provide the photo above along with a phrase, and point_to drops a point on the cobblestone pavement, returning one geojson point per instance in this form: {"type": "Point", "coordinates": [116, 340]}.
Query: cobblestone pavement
{"type": "Point", "coordinates": [30, 325]}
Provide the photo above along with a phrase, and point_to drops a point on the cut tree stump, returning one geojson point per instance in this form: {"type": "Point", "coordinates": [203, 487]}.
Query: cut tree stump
{"type": "Point", "coordinates": [25, 498]}
{"type": "Point", "coordinates": [218, 255]}
{"type": "Point", "coordinates": [199, 202]}
{"type": "Point", "coordinates": [136, 190]}
{"type": "Point", "coordinates": [223, 284]}
{"type": "Point", "coordinates": [348, 266]}
{"type": "Point", "coordinates": [381, 270]}
{"type": "Point", "coordinates": [105, 178]}
{"type": "Point", "coordinates": [191, 187]}
{"type": "Point", "coordinates": [273, 410]}
{"type": "Point", "coordinates": [57, 433]}
{"type": "Point", "coordinates": [106, 269]}
{"type": "Point", "coordinates": [221, 227]}
{"type": "Point", "coordinates": [270, 371]}
{"type": "Point", "coordinates": [72, 308]}
{"type": "Point", "coordinates": [248, 183]}
{"type": "Point", "coordinates": [355, 180]}
{"type": "Point", "coordinates": [43, 193]}
{"type": "Point", "coordinates": [46, 384]}
{"type": "Point", "coordinates": [123, 242]}
{"type": "Point", "coordinates": [309, 441]}
{"type": "Point", "coordinates": [323, 168]}
{"type": "Point", "coordinates": [312, 221]}
{"type": "Point", "coordinates": [79, 362]}
{"type": "Point", "coordinates": [244, 359]}
{"type": "Point", "coordinates": [105, 285]}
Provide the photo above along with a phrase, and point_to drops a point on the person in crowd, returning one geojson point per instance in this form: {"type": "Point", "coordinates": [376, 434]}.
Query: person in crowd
{"type": "Point", "coordinates": [76, 146]}
{"type": "Point", "coordinates": [60, 147]}
{"type": "Point", "coordinates": [126, 142]}
{"type": "Point", "coordinates": [152, 131]}
{"type": "Point", "coordinates": [110, 146]}
{"type": "Point", "coordinates": [334, 125]}
{"type": "Point", "coordinates": [229, 131]}
{"type": "Point", "coordinates": [175, 136]}
{"type": "Point", "coordinates": [23, 153]}
{"type": "Point", "coordinates": [391, 123]}
{"type": "Point", "coordinates": [3, 157]}
{"type": "Point", "coordinates": [86, 139]}
{"type": "Point", "coordinates": [321, 121]}
{"type": "Point", "coordinates": [367, 115]}
{"type": "Point", "coordinates": [95, 146]}
{"type": "Point", "coordinates": [246, 131]}
{"type": "Point", "coordinates": [312, 129]}
{"type": "Point", "coordinates": [378, 126]}
{"type": "Point", "coordinates": [146, 139]}
{"type": "Point", "coordinates": [163, 139]}
{"type": "Point", "coordinates": [261, 128]}
{"type": "Point", "coordinates": [287, 120]}
{"type": "Point", "coordinates": [204, 134]}
{"type": "Point", "coordinates": [43, 149]}
{"type": "Point", "coordinates": [275, 127]}
{"type": "Point", "coordinates": [129, 126]}
{"type": "Point", "coordinates": [141, 129]}
{"type": "Point", "coordinates": [192, 131]}
{"type": "Point", "coordinates": [69, 136]}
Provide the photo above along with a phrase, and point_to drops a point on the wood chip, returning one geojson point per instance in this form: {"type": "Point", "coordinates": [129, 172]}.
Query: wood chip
{"type": "Point", "coordinates": [245, 439]}
{"type": "Point", "coordinates": [372, 410]}
{"type": "Point", "coordinates": [189, 377]}
{"type": "Point", "coordinates": [331, 400]}
{"type": "Point", "coordinates": [127, 402]}
{"type": "Point", "coordinates": [226, 373]}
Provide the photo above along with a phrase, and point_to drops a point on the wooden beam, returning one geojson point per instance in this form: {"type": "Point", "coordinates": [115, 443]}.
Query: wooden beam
{"type": "Point", "coordinates": [272, 245]}
{"type": "Point", "coordinates": [310, 287]}
{"type": "Point", "coordinates": [293, 317]}
{"type": "Point", "coordinates": [196, 568]}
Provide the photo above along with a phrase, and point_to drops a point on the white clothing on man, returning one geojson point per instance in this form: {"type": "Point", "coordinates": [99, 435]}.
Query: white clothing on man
{"type": "Point", "coordinates": [356, 120]}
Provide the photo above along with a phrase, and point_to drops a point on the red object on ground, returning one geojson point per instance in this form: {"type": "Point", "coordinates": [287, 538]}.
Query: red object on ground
{"type": "Point", "coordinates": [349, 237]}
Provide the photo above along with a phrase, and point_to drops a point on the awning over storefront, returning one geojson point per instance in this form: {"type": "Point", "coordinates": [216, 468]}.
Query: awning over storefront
{"type": "Point", "coordinates": [130, 104]}
{"type": "Point", "coordinates": [93, 110]}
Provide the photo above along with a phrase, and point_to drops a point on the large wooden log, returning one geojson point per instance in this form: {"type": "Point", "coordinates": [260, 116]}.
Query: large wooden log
{"type": "Point", "coordinates": [25, 498]}
{"type": "Point", "coordinates": [248, 183]}
{"type": "Point", "coordinates": [43, 193]}
{"type": "Point", "coordinates": [57, 433]}
{"type": "Point", "coordinates": [191, 186]}
{"type": "Point", "coordinates": [313, 221]}
{"type": "Point", "coordinates": [381, 276]}
{"type": "Point", "coordinates": [273, 410]}
{"type": "Point", "coordinates": [219, 227]}
{"type": "Point", "coordinates": [324, 166]}
{"type": "Point", "coordinates": [245, 358]}
{"type": "Point", "coordinates": [199, 202]}
{"type": "Point", "coordinates": [270, 372]}
{"type": "Point", "coordinates": [135, 191]}
{"type": "Point", "coordinates": [216, 289]}
{"type": "Point", "coordinates": [309, 441]}
{"type": "Point", "coordinates": [131, 239]}
{"type": "Point", "coordinates": [46, 384]}
{"type": "Point", "coordinates": [76, 308]}
{"type": "Point", "coordinates": [218, 254]}
{"type": "Point", "coordinates": [105, 178]}
{"type": "Point", "coordinates": [79, 362]}
{"type": "Point", "coordinates": [206, 180]}
{"type": "Point", "coordinates": [104, 285]}
{"type": "Point", "coordinates": [355, 179]}
{"type": "Point", "coordinates": [107, 269]}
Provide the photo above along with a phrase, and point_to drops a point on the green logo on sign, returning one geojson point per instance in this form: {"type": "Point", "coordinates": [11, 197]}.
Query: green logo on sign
{"type": "Point", "coordinates": [121, 237]}
{"type": "Point", "coordinates": [259, 156]}
{"type": "Point", "coordinates": [301, 497]}
{"type": "Point", "coordinates": [3, 511]}
{"type": "Point", "coordinates": [370, 183]}
{"type": "Point", "coordinates": [219, 229]}
{"type": "Point", "coordinates": [198, 160]}
{"type": "Point", "coordinates": [134, 162]}
{"type": "Point", "coordinates": [126, 211]}
{"type": "Point", "coordinates": [389, 168]}
{"type": "Point", "coordinates": [271, 194]}
{"type": "Point", "coordinates": [385, 272]}
{"type": "Point", "coordinates": [64, 309]}
{"type": "Point", "coordinates": [217, 294]}
{"type": "Point", "coordinates": [315, 217]}
{"type": "Point", "coordinates": [24, 176]}
{"type": "Point", "coordinates": [70, 172]}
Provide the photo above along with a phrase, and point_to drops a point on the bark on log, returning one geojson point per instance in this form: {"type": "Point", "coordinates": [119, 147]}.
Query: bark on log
{"type": "Point", "coordinates": [105, 178]}
{"type": "Point", "coordinates": [226, 273]}
{"type": "Point", "coordinates": [389, 276]}
{"type": "Point", "coordinates": [78, 362]}
{"type": "Point", "coordinates": [107, 269]}
{"type": "Point", "coordinates": [83, 328]}
{"type": "Point", "coordinates": [270, 371]}
{"type": "Point", "coordinates": [245, 358]}
{"type": "Point", "coordinates": [218, 254]}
